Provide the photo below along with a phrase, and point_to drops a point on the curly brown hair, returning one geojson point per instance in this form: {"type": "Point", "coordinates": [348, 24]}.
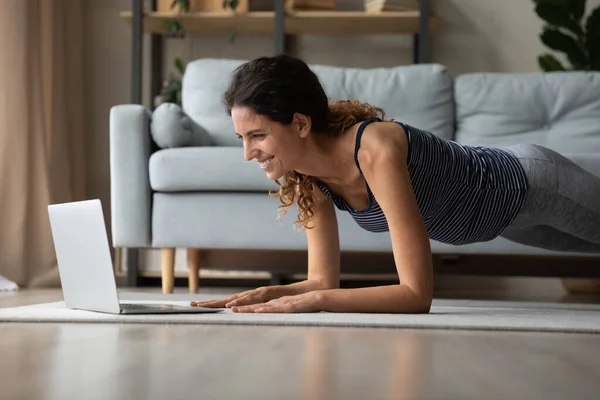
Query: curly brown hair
{"type": "Point", "coordinates": [280, 86]}
{"type": "Point", "coordinates": [301, 187]}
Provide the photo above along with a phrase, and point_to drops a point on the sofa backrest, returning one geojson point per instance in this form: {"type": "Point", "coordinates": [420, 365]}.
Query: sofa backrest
{"type": "Point", "coordinates": [420, 95]}
{"type": "Point", "coordinates": [559, 110]}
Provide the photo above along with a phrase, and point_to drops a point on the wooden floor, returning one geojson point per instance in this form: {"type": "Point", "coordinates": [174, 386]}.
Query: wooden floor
{"type": "Point", "coordinates": [112, 361]}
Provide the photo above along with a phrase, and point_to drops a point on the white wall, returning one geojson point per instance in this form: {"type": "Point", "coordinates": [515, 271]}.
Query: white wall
{"type": "Point", "coordinates": [474, 36]}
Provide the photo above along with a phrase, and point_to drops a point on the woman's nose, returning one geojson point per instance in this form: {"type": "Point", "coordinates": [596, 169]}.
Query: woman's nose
{"type": "Point", "coordinates": [249, 152]}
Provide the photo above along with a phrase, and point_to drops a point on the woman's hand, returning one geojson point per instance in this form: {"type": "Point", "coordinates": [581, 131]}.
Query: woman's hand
{"type": "Point", "coordinates": [254, 296]}
{"type": "Point", "coordinates": [301, 303]}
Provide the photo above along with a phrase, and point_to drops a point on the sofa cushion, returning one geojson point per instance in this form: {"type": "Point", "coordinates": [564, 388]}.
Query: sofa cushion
{"type": "Point", "coordinates": [184, 220]}
{"type": "Point", "coordinates": [420, 95]}
{"type": "Point", "coordinates": [206, 169]}
{"type": "Point", "coordinates": [559, 110]}
{"type": "Point", "coordinates": [171, 127]}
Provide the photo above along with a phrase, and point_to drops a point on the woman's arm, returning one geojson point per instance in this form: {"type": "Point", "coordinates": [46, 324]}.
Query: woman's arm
{"type": "Point", "coordinates": [377, 299]}
{"type": "Point", "coordinates": [323, 244]}
{"type": "Point", "coordinates": [323, 251]}
{"type": "Point", "coordinates": [323, 263]}
{"type": "Point", "coordinates": [383, 163]}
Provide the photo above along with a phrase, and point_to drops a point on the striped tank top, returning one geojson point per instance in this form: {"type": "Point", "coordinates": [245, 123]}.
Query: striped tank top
{"type": "Point", "coordinates": [466, 194]}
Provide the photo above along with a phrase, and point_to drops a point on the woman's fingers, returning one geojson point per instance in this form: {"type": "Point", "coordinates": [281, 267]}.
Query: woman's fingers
{"type": "Point", "coordinates": [251, 298]}
{"type": "Point", "coordinates": [256, 306]}
{"type": "Point", "coordinates": [273, 309]}
{"type": "Point", "coordinates": [287, 304]}
{"type": "Point", "coordinates": [210, 303]}
{"type": "Point", "coordinates": [217, 303]}
{"type": "Point", "coordinates": [243, 298]}
{"type": "Point", "coordinates": [213, 304]}
{"type": "Point", "coordinates": [248, 308]}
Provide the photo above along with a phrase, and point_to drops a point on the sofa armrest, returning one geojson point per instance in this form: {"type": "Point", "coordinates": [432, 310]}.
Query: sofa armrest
{"type": "Point", "coordinates": [131, 195]}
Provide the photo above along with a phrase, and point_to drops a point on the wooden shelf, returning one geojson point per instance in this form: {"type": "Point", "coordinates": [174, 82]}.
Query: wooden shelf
{"type": "Point", "coordinates": [296, 23]}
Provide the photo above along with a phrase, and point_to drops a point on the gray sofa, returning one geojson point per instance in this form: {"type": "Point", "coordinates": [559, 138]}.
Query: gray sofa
{"type": "Point", "coordinates": [195, 190]}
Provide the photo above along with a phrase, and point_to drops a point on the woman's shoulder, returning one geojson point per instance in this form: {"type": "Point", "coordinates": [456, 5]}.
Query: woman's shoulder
{"type": "Point", "coordinates": [381, 138]}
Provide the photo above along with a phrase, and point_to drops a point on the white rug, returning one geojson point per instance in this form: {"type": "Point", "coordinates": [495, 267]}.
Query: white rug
{"type": "Point", "coordinates": [445, 314]}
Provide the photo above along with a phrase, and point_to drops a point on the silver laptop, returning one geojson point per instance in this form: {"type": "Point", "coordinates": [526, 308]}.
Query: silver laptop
{"type": "Point", "coordinates": [85, 264]}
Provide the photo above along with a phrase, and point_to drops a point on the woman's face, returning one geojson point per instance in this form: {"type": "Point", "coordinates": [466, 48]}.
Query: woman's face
{"type": "Point", "coordinates": [276, 147]}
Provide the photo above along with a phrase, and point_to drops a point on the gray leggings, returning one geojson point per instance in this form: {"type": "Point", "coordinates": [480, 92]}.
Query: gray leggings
{"type": "Point", "coordinates": [562, 207]}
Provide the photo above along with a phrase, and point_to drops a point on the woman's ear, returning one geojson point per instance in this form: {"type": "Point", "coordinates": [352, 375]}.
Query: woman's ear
{"type": "Point", "coordinates": [302, 124]}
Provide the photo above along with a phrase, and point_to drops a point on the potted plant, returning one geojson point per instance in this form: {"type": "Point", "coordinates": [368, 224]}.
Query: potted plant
{"type": "Point", "coordinates": [174, 26]}
{"type": "Point", "coordinates": [179, 6]}
{"type": "Point", "coordinates": [568, 31]}
{"type": "Point", "coordinates": [171, 89]}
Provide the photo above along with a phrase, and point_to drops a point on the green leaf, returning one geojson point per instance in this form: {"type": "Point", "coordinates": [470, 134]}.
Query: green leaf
{"type": "Point", "coordinates": [233, 4]}
{"type": "Point", "coordinates": [548, 63]}
{"type": "Point", "coordinates": [592, 38]}
{"type": "Point", "coordinates": [184, 5]}
{"type": "Point", "coordinates": [173, 25]}
{"type": "Point", "coordinates": [179, 65]}
{"type": "Point", "coordinates": [231, 35]}
{"type": "Point", "coordinates": [225, 3]}
{"type": "Point", "coordinates": [557, 16]}
{"type": "Point", "coordinates": [564, 5]}
{"type": "Point", "coordinates": [173, 86]}
{"type": "Point", "coordinates": [556, 40]}
{"type": "Point", "coordinates": [577, 9]}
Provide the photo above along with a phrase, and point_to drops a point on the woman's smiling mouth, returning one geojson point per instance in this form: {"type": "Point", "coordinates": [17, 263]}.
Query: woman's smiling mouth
{"type": "Point", "coordinates": [265, 163]}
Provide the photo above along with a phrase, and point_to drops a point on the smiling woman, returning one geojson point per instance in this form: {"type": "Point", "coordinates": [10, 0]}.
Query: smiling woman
{"type": "Point", "coordinates": [304, 129]}
{"type": "Point", "coordinates": [392, 177]}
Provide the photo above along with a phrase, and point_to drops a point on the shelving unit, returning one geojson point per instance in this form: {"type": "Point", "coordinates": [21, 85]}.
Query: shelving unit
{"type": "Point", "coordinates": [296, 23]}
{"type": "Point", "coordinates": [282, 25]}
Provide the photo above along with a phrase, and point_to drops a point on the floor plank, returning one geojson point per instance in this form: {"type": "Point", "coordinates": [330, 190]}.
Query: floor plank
{"type": "Point", "coordinates": [125, 361]}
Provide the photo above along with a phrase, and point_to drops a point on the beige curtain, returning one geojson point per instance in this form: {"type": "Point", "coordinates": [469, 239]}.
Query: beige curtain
{"type": "Point", "coordinates": [41, 130]}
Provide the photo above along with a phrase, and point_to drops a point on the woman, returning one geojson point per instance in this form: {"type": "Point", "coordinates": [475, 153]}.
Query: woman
{"type": "Point", "coordinates": [392, 177]}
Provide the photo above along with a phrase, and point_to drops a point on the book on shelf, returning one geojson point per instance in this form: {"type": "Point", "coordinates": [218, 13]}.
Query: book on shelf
{"type": "Point", "coordinates": [375, 6]}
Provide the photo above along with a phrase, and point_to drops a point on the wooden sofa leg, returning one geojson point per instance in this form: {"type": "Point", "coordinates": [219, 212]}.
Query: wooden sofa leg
{"type": "Point", "coordinates": [581, 285]}
{"type": "Point", "coordinates": [168, 269]}
{"type": "Point", "coordinates": [194, 269]}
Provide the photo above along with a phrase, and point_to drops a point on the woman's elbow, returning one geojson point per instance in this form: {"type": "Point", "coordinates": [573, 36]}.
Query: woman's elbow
{"type": "Point", "coordinates": [414, 302]}
{"type": "Point", "coordinates": [425, 306]}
